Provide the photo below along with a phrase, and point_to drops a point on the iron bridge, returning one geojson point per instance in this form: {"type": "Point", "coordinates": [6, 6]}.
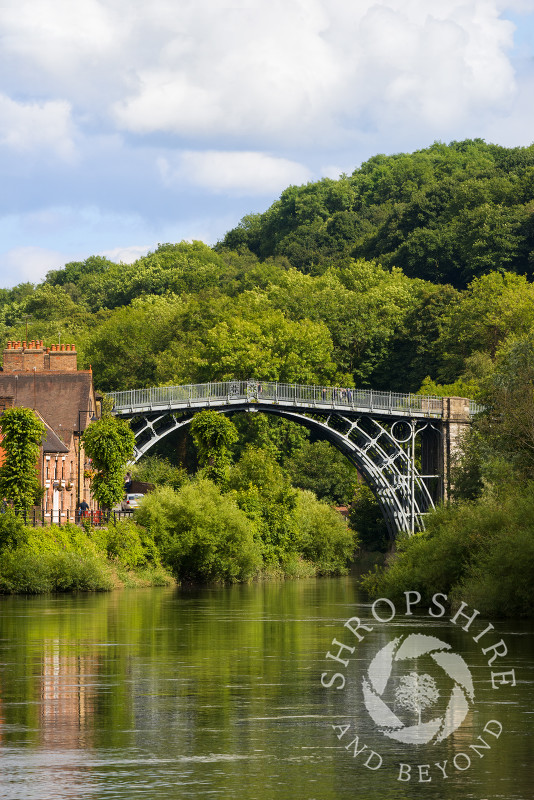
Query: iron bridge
{"type": "Point", "coordinates": [395, 440]}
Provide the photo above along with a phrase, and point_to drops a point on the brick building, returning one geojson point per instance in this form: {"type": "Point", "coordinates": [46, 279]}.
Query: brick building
{"type": "Point", "coordinates": [47, 380]}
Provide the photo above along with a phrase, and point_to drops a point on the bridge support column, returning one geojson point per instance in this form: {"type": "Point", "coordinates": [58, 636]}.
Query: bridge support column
{"type": "Point", "coordinates": [456, 420]}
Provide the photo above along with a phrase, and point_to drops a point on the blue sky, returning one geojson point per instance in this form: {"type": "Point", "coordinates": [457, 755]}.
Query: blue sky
{"type": "Point", "coordinates": [125, 123]}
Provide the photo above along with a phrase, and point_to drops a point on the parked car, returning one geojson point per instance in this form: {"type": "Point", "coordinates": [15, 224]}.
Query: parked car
{"type": "Point", "coordinates": [131, 501]}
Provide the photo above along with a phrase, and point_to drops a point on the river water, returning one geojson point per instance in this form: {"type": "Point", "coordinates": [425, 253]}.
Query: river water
{"type": "Point", "coordinates": [216, 693]}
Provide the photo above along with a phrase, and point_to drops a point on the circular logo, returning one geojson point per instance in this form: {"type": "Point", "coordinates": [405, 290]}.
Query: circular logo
{"type": "Point", "coordinates": [416, 692]}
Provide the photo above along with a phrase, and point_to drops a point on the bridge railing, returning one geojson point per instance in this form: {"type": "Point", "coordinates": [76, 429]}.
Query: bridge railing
{"type": "Point", "coordinates": [274, 392]}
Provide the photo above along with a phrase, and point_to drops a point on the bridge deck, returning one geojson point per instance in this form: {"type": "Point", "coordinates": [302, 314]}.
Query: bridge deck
{"type": "Point", "coordinates": [288, 395]}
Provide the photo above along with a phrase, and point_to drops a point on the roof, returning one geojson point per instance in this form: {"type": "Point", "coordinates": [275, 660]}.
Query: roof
{"type": "Point", "coordinates": [52, 443]}
{"type": "Point", "coordinates": [61, 398]}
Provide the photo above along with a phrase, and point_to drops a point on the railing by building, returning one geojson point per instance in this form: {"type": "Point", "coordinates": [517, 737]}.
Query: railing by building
{"type": "Point", "coordinates": [37, 518]}
{"type": "Point", "coordinates": [273, 393]}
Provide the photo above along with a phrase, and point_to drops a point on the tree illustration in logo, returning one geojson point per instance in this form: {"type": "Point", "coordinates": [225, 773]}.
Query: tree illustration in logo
{"type": "Point", "coordinates": [416, 693]}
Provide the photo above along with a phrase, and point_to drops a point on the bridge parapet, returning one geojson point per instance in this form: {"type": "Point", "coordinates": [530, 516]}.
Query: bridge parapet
{"type": "Point", "coordinates": [289, 394]}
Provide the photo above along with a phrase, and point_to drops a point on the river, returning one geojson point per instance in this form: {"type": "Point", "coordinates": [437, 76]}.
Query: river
{"type": "Point", "coordinates": [216, 693]}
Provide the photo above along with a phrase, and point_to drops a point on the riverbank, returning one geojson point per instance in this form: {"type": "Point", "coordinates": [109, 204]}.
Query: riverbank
{"type": "Point", "coordinates": [162, 552]}
{"type": "Point", "coordinates": [480, 553]}
{"type": "Point", "coordinates": [71, 558]}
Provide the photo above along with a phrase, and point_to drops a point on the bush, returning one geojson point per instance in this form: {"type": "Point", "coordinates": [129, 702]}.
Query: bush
{"type": "Point", "coordinates": [12, 530]}
{"type": "Point", "coordinates": [24, 571]}
{"type": "Point", "coordinates": [500, 582]}
{"type": "Point", "coordinates": [130, 545]}
{"type": "Point", "coordinates": [367, 519]}
{"type": "Point", "coordinates": [263, 491]}
{"type": "Point", "coordinates": [481, 553]}
{"type": "Point", "coordinates": [324, 537]}
{"type": "Point", "coordinates": [160, 471]}
{"type": "Point", "coordinates": [202, 534]}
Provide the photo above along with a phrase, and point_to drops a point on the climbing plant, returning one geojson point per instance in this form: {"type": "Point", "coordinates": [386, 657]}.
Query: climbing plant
{"type": "Point", "coordinates": [109, 444]}
{"type": "Point", "coordinates": [22, 433]}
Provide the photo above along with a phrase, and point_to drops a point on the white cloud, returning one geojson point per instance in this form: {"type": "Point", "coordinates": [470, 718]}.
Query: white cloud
{"type": "Point", "coordinates": [31, 264]}
{"type": "Point", "coordinates": [281, 72]}
{"type": "Point", "coordinates": [126, 255]}
{"type": "Point", "coordinates": [237, 173]}
{"type": "Point", "coordinates": [232, 102]}
{"type": "Point", "coordinates": [263, 73]}
{"type": "Point", "coordinates": [37, 126]}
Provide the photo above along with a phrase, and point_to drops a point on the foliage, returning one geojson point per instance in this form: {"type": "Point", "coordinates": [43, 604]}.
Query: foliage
{"type": "Point", "coordinates": [12, 530]}
{"type": "Point", "coordinates": [213, 435]}
{"type": "Point", "coordinates": [412, 274]}
{"type": "Point", "coordinates": [280, 437]}
{"type": "Point", "coordinates": [507, 427]}
{"type": "Point", "coordinates": [321, 468]}
{"type": "Point", "coordinates": [69, 558]}
{"type": "Point", "coordinates": [202, 535]}
{"type": "Point", "coordinates": [460, 388]}
{"type": "Point", "coordinates": [130, 545]}
{"type": "Point", "coordinates": [446, 214]}
{"type": "Point", "coordinates": [160, 471]}
{"type": "Point", "coordinates": [367, 520]}
{"type": "Point", "coordinates": [323, 537]}
{"type": "Point", "coordinates": [481, 553]}
{"type": "Point", "coordinates": [263, 491]}
{"type": "Point", "coordinates": [26, 572]}
{"type": "Point", "coordinates": [22, 433]}
{"type": "Point", "coordinates": [109, 443]}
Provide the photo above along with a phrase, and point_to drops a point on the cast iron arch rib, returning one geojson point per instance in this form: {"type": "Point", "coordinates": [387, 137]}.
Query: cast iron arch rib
{"type": "Point", "coordinates": [364, 440]}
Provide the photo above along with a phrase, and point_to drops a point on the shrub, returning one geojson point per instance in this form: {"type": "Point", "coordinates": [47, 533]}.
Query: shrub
{"type": "Point", "coordinates": [481, 553]}
{"type": "Point", "coordinates": [130, 545]}
{"type": "Point", "coordinates": [324, 537]}
{"type": "Point", "coordinates": [201, 533]}
{"type": "Point", "coordinates": [12, 530]}
{"type": "Point", "coordinates": [367, 519]}
{"type": "Point", "coordinates": [263, 491]}
{"type": "Point", "coordinates": [24, 571]}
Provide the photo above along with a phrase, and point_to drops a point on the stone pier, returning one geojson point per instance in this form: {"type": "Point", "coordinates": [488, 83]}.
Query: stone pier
{"type": "Point", "coordinates": [455, 422]}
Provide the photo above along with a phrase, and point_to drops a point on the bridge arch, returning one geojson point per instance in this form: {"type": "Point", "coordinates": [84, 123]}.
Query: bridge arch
{"type": "Point", "coordinates": [383, 454]}
{"type": "Point", "coordinates": [379, 432]}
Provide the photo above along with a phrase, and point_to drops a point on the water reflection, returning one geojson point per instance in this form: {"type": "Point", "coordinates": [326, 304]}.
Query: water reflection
{"type": "Point", "coordinates": [165, 693]}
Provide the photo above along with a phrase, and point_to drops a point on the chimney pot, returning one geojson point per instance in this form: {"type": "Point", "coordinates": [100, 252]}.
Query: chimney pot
{"type": "Point", "coordinates": [62, 347]}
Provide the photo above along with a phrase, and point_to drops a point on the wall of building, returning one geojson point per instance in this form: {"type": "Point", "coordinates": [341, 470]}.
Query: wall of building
{"type": "Point", "coordinates": [47, 380]}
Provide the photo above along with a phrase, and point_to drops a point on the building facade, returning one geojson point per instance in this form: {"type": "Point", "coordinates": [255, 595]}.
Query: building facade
{"type": "Point", "coordinates": [47, 380]}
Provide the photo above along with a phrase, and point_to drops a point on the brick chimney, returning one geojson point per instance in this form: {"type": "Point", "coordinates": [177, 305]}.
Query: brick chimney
{"type": "Point", "coordinates": [29, 356]}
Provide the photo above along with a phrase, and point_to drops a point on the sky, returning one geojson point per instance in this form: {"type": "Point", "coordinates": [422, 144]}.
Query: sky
{"type": "Point", "coordinates": [124, 124]}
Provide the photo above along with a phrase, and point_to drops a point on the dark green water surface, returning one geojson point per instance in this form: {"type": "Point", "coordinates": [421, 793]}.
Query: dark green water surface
{"type": "Point", "coordinates": [216, 693]}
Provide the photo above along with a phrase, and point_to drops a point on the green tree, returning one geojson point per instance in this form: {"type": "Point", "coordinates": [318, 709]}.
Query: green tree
{"type": "Point", "coordinates": [367, 519]}
{"type": "Point", "coordinates": [22, 434]}
{"type": "Point", "coordinates": [214, 435]}
{"type": "Point", "coordinates": [109, 443]}
{"type": "Point", "coordinates": [263, 490]}
{"type": "Point", "coordinates": [322, 469]}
